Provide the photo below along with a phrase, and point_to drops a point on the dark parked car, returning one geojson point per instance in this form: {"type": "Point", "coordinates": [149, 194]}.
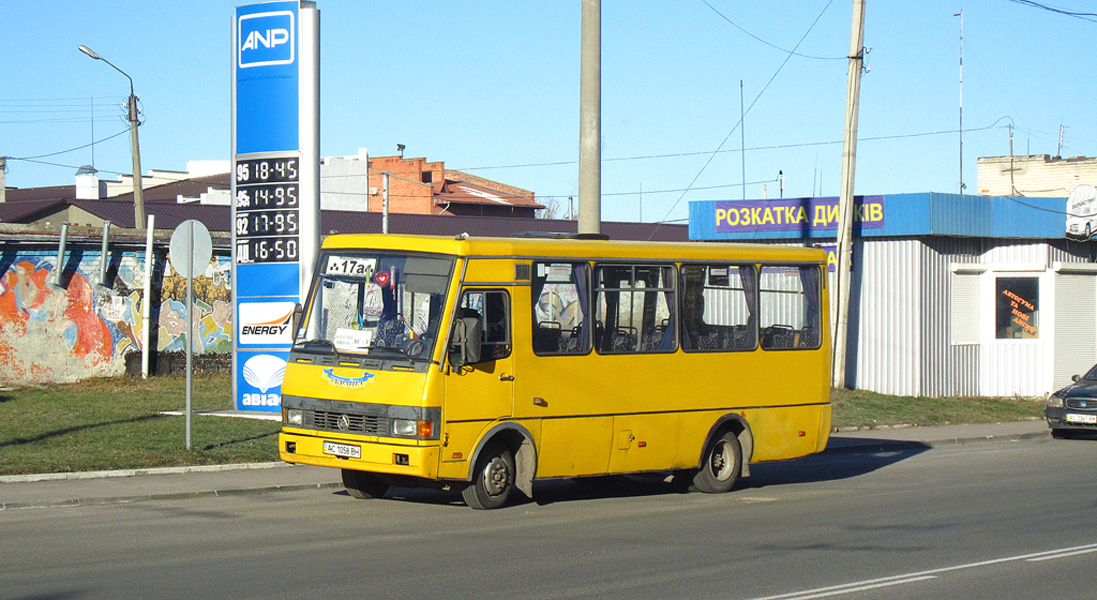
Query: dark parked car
{"type": "Point", "coordinates": [1074, 408]}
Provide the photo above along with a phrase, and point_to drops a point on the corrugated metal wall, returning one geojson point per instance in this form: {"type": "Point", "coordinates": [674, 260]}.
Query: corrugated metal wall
{"type": "Point", "coordinates": [1075, 345]}
{"type": "Point", "coordinates": [900, 322]}
{"type": "Point", "coordinates": [948, 369]}
{"type": "Point", "coordinates": [887, 329]}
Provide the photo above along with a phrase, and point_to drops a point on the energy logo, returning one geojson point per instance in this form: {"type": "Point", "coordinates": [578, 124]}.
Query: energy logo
{"type": "Point", "coordinates": [266, 323]}
{"type": "Point", "coordinates": [266, 39]}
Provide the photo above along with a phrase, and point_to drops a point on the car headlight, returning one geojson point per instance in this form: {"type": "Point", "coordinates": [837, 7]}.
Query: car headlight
{"type": "Point", "coordinates": [1055, 401]}
{"type": "Point", "coordinates": [293, 416]}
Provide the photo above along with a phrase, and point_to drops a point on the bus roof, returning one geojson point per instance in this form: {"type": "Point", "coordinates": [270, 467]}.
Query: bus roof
{"type": "Point", "coordinates": [570, 248]}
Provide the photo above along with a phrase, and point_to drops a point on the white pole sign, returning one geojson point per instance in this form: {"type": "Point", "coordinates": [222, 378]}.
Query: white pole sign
{"type": "Point", "coordinates": [276, 187]}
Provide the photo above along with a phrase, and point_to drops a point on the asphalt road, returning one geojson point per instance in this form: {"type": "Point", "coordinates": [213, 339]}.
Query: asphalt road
{"type": "Point", "coordinates": [996, 520]}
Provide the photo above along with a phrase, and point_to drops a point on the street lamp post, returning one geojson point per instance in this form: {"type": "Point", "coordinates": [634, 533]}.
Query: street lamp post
{"type": "Point", "coordinates": [135, 147]}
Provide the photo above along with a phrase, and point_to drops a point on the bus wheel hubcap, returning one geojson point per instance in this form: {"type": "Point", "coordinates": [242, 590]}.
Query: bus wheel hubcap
{"type": "Point", "coordinates": [721, 465]}
{"type": "Point", "coordinates": [496, 476]}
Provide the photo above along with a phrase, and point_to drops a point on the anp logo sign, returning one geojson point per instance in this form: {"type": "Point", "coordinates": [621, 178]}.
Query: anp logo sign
{"type": "Point", "coordinates": [266, 39]}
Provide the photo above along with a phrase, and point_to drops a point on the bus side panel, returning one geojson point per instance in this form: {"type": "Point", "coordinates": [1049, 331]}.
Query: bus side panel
{"type": "Point", "coordinates": [787, 432]}
{"type": "Point", "coordinates": [574, 446]}
{"type": "Point", "coordinates": [648, 443]}
{"type": "Point", "coordinates": [460, 441]}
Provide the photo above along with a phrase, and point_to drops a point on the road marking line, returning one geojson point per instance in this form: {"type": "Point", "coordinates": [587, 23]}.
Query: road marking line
{"type": "Point", "coordinates": [856, 586]}
{"type": "Point", "coordinates": [1064, 555]}
{"type": "Point", "coordinates": [848, 588]}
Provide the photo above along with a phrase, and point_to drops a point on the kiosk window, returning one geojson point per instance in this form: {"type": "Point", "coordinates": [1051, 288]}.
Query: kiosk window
{"type": "Point", "coordinates": [1017, 308]}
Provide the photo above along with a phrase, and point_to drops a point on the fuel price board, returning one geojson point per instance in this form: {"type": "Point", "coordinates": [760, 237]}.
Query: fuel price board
{"type": "Point", "coordinates": [267, 201]}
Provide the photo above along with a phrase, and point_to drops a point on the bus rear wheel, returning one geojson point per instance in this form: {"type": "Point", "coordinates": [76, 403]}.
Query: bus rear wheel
{"type": "Point", "coordinates": [493, 479]}
{"type": "Point", "coordinates": [723, 461]}
{"type": "Point", "coordinates": [363, 486]}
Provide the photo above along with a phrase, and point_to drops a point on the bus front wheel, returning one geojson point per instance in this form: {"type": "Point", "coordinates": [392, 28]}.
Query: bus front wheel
{"type": "Point", "coordinates": [493, 479]}
{"type": "Point", "coordinates": [363, 485]}
{"type": "Point", "coordinates": [723, 461]}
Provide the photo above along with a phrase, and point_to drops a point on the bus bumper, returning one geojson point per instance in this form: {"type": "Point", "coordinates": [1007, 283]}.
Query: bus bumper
{"type": "Point", "coordinates": [372, 456]}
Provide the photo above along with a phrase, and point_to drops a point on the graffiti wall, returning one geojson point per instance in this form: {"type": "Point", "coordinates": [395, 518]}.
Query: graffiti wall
{"type": "Point", "coordinates": [62, 329]}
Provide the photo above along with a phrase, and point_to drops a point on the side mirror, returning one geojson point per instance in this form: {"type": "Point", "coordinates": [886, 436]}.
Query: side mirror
{"type": "Point", "coordinates": [295, 323]}
{"type": "Point", "coordinates": [464, 349]}
{"type": "Point", "coordinates": [1075, 378]}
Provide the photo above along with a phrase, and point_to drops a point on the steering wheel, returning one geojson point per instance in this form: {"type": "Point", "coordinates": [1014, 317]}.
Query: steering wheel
{"type": "Point", "coordinates": [415, 347]}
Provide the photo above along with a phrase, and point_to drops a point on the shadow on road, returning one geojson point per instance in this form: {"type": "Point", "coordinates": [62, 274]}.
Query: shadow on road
{"type": "Point", "coordinates": [834, 464]}
{"type": "Point", "coordinates": [840, 462]}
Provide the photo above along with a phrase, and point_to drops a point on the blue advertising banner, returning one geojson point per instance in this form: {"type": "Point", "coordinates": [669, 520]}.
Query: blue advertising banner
{"type": "Point", "coordinates": [793, 214]}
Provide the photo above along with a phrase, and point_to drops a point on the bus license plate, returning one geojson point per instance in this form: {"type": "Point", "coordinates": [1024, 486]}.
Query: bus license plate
{"type": "Point", "coordinates": [343, 450]}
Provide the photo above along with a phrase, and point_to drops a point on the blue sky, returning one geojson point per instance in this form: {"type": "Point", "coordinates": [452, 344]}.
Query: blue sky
{"type": "Point", "coordinates": [493, 88]}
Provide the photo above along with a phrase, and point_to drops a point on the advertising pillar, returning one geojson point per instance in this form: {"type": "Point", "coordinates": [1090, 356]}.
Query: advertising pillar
{"type": "Point", "coordinates": [276, 188]}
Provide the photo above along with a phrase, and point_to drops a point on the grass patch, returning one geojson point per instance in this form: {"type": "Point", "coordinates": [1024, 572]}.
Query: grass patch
{"type": "Point", "coordinates": [857, 408]}
{"type": "Point", "coordinates": [116, 423]}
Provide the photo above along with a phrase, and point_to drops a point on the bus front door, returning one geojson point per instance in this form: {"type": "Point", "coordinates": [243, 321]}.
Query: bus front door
{"type": "Point", "coordinates": [480, 393]}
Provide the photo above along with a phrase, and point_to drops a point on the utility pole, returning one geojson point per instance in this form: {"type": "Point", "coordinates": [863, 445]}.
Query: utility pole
{"type": "Point", "coordinates": [743, 137]}
{"type": "Point", "coordinates": [3, 179]}
{"type": "Point", "coordinates": [590, 119]}
{"type": "Point", "coordinates": [133, 117]}
{"type": "Point", "coordinates": [845, 210]}
{"type": "Point", "coordinates": [385, 202]}
{"type": "Point", "coordinates": [961, 15]}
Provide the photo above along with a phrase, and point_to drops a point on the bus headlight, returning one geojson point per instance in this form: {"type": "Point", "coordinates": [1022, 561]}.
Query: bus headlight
{"type": "Point", "coordinates": [294, 416]}
{"type": "Point", "coordinates": [411, 428]}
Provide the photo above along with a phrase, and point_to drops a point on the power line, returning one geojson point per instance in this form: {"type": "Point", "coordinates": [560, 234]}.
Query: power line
{"type": "Point", "coordinates": [1085, 16]}
{"type": "Point", "coordinates": [31, 158]}
{"type": "Point", "coordinates": [740, 123]}
{"type": "Point", "coordinates": [733, 150]}
{"type": "Point", "coordinates": [774, 46]}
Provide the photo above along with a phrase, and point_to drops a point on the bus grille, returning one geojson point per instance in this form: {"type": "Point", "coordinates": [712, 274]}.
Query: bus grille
{"type": "Point", "coordinates": [331, 421]}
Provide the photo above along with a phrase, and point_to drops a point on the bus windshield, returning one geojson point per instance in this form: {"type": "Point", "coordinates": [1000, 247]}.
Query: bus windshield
{"type": "Point", "coordinates": [387, 305]}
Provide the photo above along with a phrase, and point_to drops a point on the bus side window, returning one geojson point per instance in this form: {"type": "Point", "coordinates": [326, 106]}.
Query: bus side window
{"type": "Point", "coordinates": [789, 307]}
{"type": "Point", "coordinates": [635, 308]}
{"type": "Point", "coordinates": [561, 315]}
{"type": "Point", "coordinates": [718, 307]}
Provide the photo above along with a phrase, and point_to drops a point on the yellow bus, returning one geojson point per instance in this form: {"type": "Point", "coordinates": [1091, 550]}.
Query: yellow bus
{"type": "Point", "coordinates": [487, 364]}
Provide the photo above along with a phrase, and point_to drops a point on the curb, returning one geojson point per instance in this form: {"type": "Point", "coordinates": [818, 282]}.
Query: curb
{"type": "Point", "coordinates": [138, 472]}
{"type": "Point", "coordinates": [856, 446]}
{"type": "Point", "coordinates": [172, 496]}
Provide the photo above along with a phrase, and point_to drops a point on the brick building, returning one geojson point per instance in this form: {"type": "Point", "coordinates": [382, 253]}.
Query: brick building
{"type": "Point", "coordinates": [1038, 175]}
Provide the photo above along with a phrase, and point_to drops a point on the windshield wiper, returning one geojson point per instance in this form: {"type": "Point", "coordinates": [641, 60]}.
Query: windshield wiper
{"type": "Point", "coordinates": [401, 352]}
{"type": "Point", "coordinates": [317, 346]}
